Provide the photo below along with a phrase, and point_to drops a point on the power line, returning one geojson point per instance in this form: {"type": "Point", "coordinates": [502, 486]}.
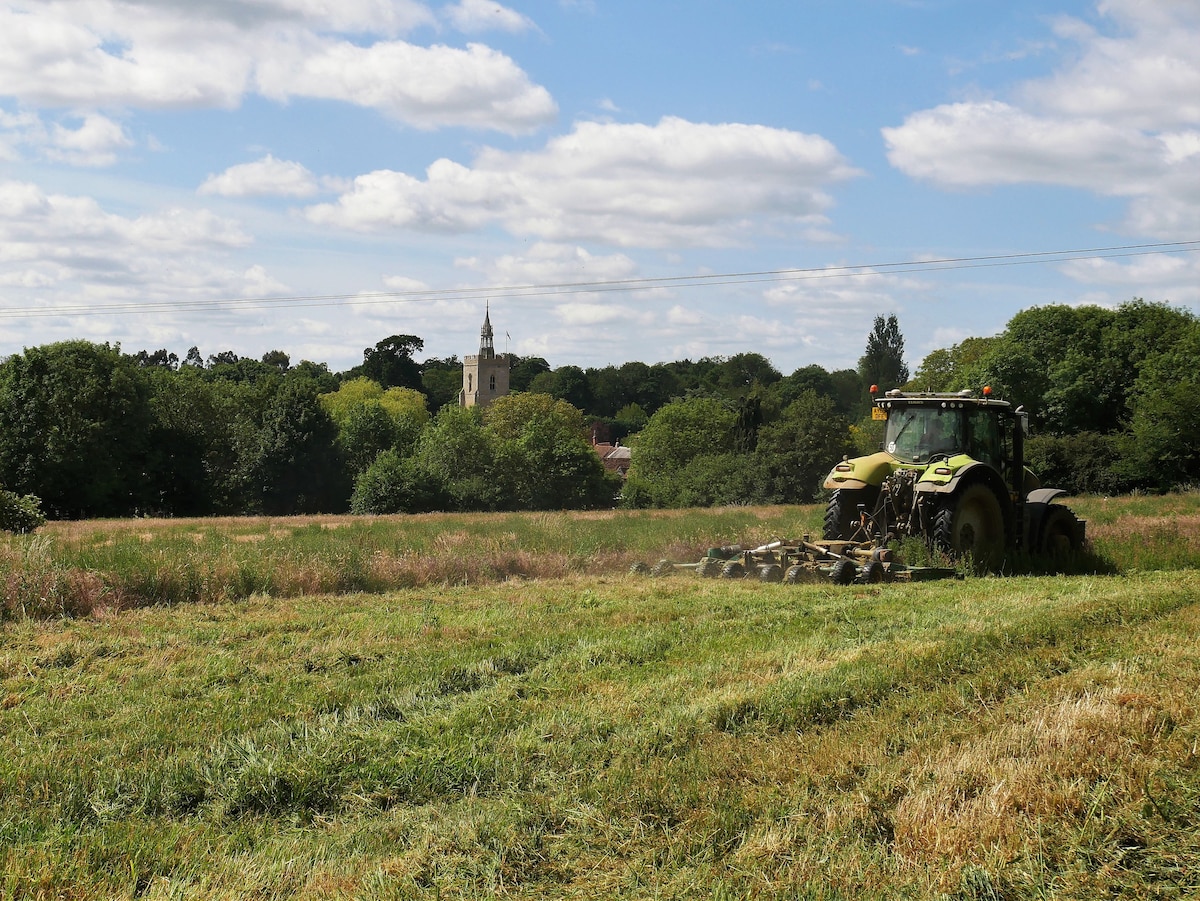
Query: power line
{"type": "Point", "coordinates": [300, 301]}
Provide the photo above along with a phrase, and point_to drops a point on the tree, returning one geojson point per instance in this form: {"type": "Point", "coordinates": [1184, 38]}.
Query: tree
{"type": "Point", "coordinates": [569, 383]}
{"type": "Point", "coordinates": [1164, 450]}
{"type": "Point", "coordinates": [225, 357]}
{"type": "Point", "coordinates": [799, 448]}
{"type": "Point", "coordinates": [742, 372]}
{"type": "Point", "coordinates": [75, 427]}
{"type": "Point", "coordinates": [364, 434]}
{"type": "Point", "coordinates": [391, 363]}
{"type": "Point", "coordinates": [524, 370]}
{"type": "Point", "coordinates": [457, 455]}
{"type": "Point", "coordinates": [883, 363]}
{"type": "Point", "coordinates": [543, 455]}
{"type": "Point", "coordinates": [396, 484]}
{"type": "Point", "coordinates": [297, 466]}
{"type": "Point", "coordinates": [674, 436]}
{"type": "Point", "coordinates": [161, 357]}
{"type": "Point", "coordinates": [277, 359]}
{"type": "Point", "coordinates": [441, 380]}
{"type": "Point", "coordinates": [944, 369]}
{"type": "Point", "coordinates": [371, 420]}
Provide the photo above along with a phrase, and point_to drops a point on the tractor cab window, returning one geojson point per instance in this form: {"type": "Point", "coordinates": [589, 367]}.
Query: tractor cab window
{"type": "Point", "coordinates": [914, 434]}
{"type": "Point", "coordinates": [985, 442]}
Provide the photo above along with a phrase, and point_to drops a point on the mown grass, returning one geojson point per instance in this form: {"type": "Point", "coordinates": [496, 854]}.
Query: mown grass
{"type": "Point", "coordinates": [613, 737]}
{"type": "Point", "coordinates": [72, 568]}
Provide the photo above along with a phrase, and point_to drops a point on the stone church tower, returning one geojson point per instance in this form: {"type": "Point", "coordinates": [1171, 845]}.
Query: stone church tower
{"type": "Point", "coordinates": [485, 377]}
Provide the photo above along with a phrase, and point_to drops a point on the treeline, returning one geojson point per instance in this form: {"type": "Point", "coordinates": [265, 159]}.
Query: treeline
{"type": "Point", "coordinates": [92, 431]}
{"type": "Point", "coordinates": [1112, 396]}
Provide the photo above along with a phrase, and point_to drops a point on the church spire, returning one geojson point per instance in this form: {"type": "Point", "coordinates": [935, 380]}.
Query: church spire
{"type": "Point", "coordinates": [486, 346]}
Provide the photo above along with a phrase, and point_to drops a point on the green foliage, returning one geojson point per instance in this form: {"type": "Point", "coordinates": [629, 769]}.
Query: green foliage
{"type": "Point", "coordinates": [295, 460]}
{"type": "Point", "coordinates": [441, 380]}
{"type": "Point", "coordinates": [1085, 463]}
{"type": "Point", "coordinates": [390, 362]}
{"type": "Point", "coordinates": [523, 371]}
{"type": "Point", "coordinates": [20, 513]}
{"type": "Point", "coordinates": [394, 483]}
{"type": "Point", "coordinates": [798, 449]}
{"type": "Point", "coordinates": [1164, 430]}
{"type": "Point", "coordinates": [75, 429]}
{"type": "Point", "coordinates": [674, 436]}
{"type": "Point", "coordinates": [882, 363]}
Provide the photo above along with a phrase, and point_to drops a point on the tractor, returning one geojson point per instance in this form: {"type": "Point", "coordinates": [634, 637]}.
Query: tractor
{"type": "Point", "coordinates": [952, 473]}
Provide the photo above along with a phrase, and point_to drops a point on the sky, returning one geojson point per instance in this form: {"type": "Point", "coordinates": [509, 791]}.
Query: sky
{"type": "Point", "coordinates": [613, 180]}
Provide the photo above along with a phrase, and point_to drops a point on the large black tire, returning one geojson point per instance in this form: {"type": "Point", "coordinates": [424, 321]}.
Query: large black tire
{"type": "Point", "coordinates": [1059, 538]}
{"type": "Point", "coordinates": [841, 513]}
{"type": "Point", "coordinates": [971, 522]}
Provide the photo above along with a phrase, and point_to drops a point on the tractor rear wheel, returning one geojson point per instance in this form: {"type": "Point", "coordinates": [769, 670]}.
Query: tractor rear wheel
{"type": "Point", "coordinates": [841, 513]}
{"type": "Point", "coordinates": [1059, 536]}
{"type": "Point", "coordinates": [971, 522]}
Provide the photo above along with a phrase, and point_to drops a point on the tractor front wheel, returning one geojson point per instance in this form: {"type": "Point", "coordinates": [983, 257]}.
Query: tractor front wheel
{"type": "Point", "coordinates": [841, 513]}
{"type": "Point", "coordinates": [971, 522]}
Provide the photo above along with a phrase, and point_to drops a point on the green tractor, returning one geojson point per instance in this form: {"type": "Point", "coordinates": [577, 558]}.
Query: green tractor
{"type": "Point", "coordinates": [951, 472]}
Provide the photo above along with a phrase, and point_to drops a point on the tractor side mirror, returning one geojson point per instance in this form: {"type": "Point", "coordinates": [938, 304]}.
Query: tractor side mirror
{"type": "Point", "coordinates": [1023, 419]}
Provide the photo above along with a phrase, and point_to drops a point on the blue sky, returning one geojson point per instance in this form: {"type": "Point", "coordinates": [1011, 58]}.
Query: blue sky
{"type": "Point", "coordinates": [314, 177]}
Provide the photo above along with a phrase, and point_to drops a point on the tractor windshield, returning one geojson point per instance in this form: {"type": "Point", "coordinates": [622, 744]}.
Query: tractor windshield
{"type": "Point", "coordinates": [914, 434]}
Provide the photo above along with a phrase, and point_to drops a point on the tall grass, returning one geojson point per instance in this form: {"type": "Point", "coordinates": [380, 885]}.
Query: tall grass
{"type": "Point", "coordinates": [70, 569]}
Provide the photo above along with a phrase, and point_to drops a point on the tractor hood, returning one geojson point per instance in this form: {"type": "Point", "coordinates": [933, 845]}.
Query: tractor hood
{"type": "Point", "coordinates": [861, 472]}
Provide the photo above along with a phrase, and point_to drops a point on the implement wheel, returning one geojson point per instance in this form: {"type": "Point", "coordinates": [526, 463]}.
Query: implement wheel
{"type": "Point", "coordinates": [733, 570]}
{"type": "Point", "coordinates": [770, 572]}
{"type": "Point", "coordinates": [872, 572]}
{"type": "Point", "coordinates": [842, 573]}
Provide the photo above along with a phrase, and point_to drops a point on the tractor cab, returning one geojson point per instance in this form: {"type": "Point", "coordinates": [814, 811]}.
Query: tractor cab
{"type": "Point", "coordinates": [922, 428]}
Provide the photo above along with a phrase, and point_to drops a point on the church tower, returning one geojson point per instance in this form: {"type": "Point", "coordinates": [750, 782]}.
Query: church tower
{"type": "Point", "coordinates": [485, 376]}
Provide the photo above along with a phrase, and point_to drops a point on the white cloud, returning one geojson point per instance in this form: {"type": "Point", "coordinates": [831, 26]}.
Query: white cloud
{"type": "Point", "coordinates": [552, 264]}
{"type": "Point", "coordinates": [476, 16]}
{"type": "Point", "coordinates": [677, 183]}
{"type": "Point", "coordinates": [262, 178]}
{"type": "Point", "coordinates": [92, 140]}
{"type": "Point", "coordinates": [94, 143]}
{"type": "Point", "coordinates": [428, 87]}
{"type": "Point", "coordinates": [990, 142]}
{"type": "Point", "coordinates": [1121, 119]}
{"type": "Point", "coordinates": [121, 54]}
{"type": "Point", "coordinates": [70, 249]}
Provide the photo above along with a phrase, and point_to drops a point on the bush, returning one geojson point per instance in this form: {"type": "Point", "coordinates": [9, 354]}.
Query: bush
{"type": "Point", "coordinates": [1085, 463]}
{"type": "Point", "coordinates": [20, 513]}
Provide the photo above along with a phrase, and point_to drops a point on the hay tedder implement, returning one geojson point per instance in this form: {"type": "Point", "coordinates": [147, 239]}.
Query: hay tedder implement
{"type": "Point", "coordinates": [803, 561]}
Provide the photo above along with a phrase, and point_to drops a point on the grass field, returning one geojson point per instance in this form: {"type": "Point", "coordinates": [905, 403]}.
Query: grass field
{"type": "Point", "coordinates": [491, 707]}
